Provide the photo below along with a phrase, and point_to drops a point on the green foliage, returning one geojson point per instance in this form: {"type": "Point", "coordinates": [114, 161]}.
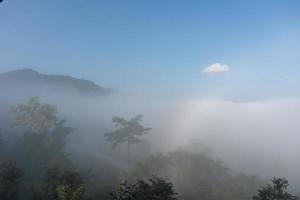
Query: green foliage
{"type": "Point", "coordinates": [10, 176]}
{"type": "Point", "coordinates": [64, 192]}
{"type": "Point", "coordinates": [129, 131]}
{"type": "Point", "coordinates": [35, 116]}
{"type": "Point", "coordinates": [35, 152]}
{"type": "Point", "coordinates": [276, 191]}
{"type": "Point", "coordinates": [67, 185]}
{"type": "Point", "coordinates": [42, 145]}
{"type": "Point", "coordinates": [153, 189]}
{"type": "Point", "coordinates": [196, 176]}
{"type": "Point", "coordinates": [57, 139]}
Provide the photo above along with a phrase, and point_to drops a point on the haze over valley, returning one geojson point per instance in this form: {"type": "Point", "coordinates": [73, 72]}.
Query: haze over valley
{"type": "Point", "coordinates": [149, 100]}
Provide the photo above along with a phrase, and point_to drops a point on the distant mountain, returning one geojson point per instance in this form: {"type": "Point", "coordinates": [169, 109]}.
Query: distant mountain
{"type": "Point", "coordinates": [35, 82]}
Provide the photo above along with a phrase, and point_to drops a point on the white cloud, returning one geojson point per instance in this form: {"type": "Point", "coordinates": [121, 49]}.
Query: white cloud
{"type": "Point", "coordinates": [216, 68]}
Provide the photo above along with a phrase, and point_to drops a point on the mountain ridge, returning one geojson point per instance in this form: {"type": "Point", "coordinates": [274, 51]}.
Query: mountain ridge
{"type": "Point", "coordinates": [21, 78]}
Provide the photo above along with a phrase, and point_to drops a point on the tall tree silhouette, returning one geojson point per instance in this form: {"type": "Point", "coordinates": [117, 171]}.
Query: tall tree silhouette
{"type": "Point", "coordinates": [43, 143]}
{"type": "Point", "coordinates": [276, 191]}
{"type": "Point", "coordinates": [129, 131]}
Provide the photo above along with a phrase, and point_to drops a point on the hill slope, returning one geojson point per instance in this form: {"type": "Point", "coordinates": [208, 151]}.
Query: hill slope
{"type": "Point", "coordinates": [37, 82]}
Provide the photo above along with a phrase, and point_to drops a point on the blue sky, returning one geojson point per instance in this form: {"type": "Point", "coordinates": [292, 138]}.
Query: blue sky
{"type": "Point", "coordinates": [159, 45]}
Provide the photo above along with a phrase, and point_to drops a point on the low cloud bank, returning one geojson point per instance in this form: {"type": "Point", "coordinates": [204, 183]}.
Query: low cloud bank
{"type": "Point", "coordinates": [252, 137]}
{"type": "Point", "coordinates": [255, 137]}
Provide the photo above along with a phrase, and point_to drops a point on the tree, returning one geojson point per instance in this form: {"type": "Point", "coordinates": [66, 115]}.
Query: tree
{"type": "Point", "coordinates": [197, 176]}
{"type": "Point", "coordinates": [35, 116]}
{"type": "Point", "coordinates": [42, 144]}
{"type": "Point", "coordinates": [35, 152]}
{"type": "Point", "coordinates": [276, 191]}
{"type": "Point", "coordinates": [10, 176]}
{"type": "Point", "coordinates": [153, 189]}
{"type": "Point", "coordinates": [67, 185]}
{"type": "Point", "coordinates": [129, 132]}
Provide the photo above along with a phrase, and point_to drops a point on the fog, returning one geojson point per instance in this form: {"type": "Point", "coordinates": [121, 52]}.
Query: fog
{"type": "Point", "coordinates": [149, 100]}
{"type": "Point", "coordinates": [256, 137]}
{"type": "Point", "coordinates": [259, 137]}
